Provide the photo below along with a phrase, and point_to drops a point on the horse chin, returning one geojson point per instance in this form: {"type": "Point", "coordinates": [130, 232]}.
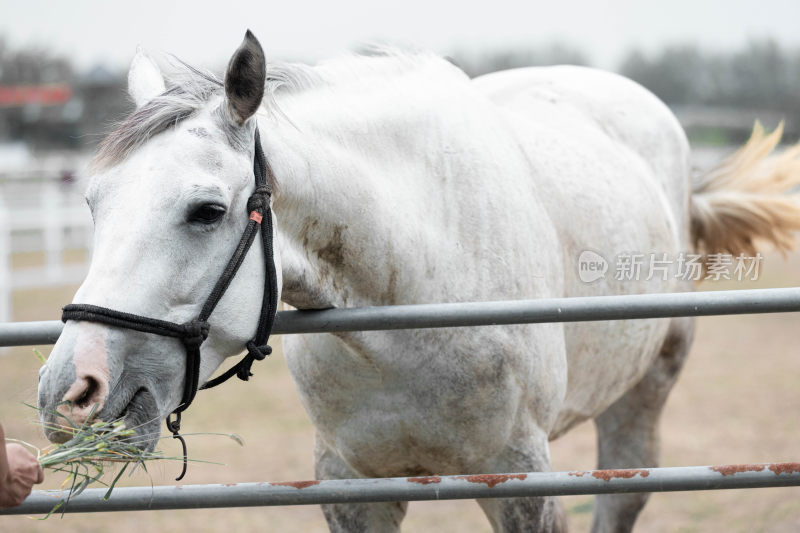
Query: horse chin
{"type": "Point", "coordinates": [141, 415]}
{"type": "Point", "coordinates": [54, 435]}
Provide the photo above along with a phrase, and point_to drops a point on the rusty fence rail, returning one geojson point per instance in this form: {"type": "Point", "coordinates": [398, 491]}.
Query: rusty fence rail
{"type": "Point", "coordinates": [578, 309]}
{"type": "Point", "coordinates": [451, 487]}
{"type": "Point", "coordinates": [418, 488]}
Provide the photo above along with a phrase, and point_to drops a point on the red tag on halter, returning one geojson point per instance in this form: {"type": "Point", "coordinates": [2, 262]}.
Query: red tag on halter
{"type": "Point", "coordinates": [255, 216]}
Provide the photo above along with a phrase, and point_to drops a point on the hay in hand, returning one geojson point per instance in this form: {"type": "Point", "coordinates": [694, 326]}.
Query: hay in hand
{"type": "Point", "coordinates": [92, 447]}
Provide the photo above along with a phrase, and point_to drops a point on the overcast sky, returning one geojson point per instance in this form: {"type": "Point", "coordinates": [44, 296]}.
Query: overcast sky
{"type": "Point", "coordinates": [205, 32]}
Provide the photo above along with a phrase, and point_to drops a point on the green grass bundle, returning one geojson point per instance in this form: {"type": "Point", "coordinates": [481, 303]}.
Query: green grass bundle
{"type": "Point", "coordinates": [88, 452]}
{"type": "Point", "coordinates": [94, 445]}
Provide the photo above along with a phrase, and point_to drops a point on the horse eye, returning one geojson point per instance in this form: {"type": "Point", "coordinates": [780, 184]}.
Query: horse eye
{"type": "Point", "coordinates": [207, 214]}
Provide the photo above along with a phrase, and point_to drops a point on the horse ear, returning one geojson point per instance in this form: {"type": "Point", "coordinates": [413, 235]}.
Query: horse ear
{"type": "Point", "coordinates": [244, 79]}
{"type": "Point", "coordinates": [145, 81]}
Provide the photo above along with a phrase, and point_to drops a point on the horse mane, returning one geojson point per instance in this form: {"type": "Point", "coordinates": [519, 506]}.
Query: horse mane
{"type": "Point", "coordinates": [189, 89]}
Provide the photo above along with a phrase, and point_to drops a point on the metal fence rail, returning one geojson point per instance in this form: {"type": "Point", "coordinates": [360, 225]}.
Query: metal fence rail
{"type": "Point", "coordinates": [544, 310]}
{"type": "Point", "coordinates": [419, 488]}
{"type": "Point", "coordinates": [451, 487]}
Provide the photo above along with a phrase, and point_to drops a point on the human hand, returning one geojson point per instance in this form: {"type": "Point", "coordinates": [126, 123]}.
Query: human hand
{"type": "Point", "coordinates": [19, 471]}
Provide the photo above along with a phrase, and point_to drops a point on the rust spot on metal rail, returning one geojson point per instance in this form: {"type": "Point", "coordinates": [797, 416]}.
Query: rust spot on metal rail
{"type": "Point", "coordinates": [578, 473]}
{"type": "Point", "coordinates": [785, 468]}
{"type": "Point", "coordinates": [296, 484]}
{"type": "Point", "coordinates": [729, 470]}
{"type": "Point", "coordinates": [425, 480]}
{"type": "Point", "coordinates": [492, 479]}
{"type": "Point", "coordinates": [608, 475]}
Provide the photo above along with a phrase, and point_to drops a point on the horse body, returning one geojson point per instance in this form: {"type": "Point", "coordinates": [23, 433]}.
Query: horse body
{"type": "Point", "coordinates": [464, 197]}
{"type": "Point", "coordinates": [478, 203]}
{"type": "Point", "coordinates": [400, 181]}
{"type": "Point", "coordinates": [409, 223]}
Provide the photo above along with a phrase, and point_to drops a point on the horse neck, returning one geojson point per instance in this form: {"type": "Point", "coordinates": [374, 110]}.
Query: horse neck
{"type": "Point", "coordinates": [372, 185]}
{"type": "Point", "coordinates": [348, 196]}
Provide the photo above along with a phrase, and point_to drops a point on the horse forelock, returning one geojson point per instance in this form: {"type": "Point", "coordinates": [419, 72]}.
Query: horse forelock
{"type": "Point", "coordinates": [190, 90]}
{"type": "Point", "coordinates": [183, 99]}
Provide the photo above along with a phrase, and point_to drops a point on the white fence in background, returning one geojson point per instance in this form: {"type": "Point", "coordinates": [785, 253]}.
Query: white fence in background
{"type": "Point", "coordinates": [40, 216]}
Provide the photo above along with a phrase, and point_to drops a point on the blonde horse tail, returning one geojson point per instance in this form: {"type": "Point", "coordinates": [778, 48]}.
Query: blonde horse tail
{"type": "Point", "coordinates": [750, 199]}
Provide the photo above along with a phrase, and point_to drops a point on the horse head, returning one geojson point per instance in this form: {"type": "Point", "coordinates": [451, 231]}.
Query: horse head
{"type": "Point", "coordinates": [169, 193]}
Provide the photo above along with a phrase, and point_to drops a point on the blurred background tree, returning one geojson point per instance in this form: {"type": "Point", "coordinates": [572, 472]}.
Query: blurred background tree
{"type": "Point", "coordinates": [46, 103]}
{"type": "Point", "coordinates": [724, 91]}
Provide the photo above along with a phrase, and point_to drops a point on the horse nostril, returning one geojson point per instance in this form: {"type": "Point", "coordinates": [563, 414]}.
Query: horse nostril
{"type": "Point", "coordinates": [88, 393]}
{"type": "Point", "coordinates": [84, 399]}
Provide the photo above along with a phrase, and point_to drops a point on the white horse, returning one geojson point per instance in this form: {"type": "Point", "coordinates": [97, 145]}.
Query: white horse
{"type": "Point", "coordinates": [400, 181]}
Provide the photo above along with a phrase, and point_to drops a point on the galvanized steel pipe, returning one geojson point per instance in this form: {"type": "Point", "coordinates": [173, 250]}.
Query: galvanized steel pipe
{"type": "Point", "coordinates": [576, 309]}
{"type": "Point", "coordinates": [419, 488]}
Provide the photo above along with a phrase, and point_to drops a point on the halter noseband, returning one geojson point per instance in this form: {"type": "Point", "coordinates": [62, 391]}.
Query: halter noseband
{"type": "Point", "coordinates": [193, 333]}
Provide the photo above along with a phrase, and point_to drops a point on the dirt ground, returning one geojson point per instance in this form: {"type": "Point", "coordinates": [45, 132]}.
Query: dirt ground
{"type": "Point", "coordinates": [736, 402]}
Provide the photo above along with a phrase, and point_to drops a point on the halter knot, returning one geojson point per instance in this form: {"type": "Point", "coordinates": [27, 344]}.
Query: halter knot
{"type": "Point", "coordinates": [259, 200]}
{"type": "Point", "coordinates": [258, 353]}
{"type": "Point", "coordinates": [195, 333]}
{"type": "Point", "coordinates": [254, 353]}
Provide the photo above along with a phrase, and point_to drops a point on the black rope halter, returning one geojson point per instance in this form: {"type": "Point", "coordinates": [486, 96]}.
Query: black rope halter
{"type": "Point", "coordinates": [193, 333]}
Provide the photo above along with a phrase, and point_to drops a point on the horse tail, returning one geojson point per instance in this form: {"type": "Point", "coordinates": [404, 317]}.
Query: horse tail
{"type": "Point", "coordinates": [748, 199]}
